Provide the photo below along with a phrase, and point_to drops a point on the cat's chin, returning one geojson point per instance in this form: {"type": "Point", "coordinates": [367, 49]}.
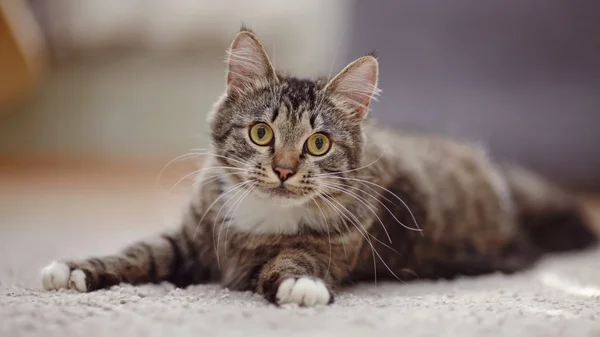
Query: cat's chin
{"type": "Point", "coordinates": [281, 197]}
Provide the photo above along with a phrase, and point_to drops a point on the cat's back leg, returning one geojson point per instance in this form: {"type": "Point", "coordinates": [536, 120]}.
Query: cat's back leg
{"type": "Point", "coordinates": [552, 218]}
{"type": "Point", "coordinates": [459, 226]}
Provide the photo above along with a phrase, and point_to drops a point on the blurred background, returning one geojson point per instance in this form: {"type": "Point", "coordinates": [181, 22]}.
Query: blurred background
{"type": "Point", "coordinates": [99, 91]}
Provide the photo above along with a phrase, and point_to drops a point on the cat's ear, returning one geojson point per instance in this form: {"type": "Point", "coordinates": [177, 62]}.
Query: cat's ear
{"type": "Point", "coordinates": [354, 87]}
{"type": "Point", "coordinates": [248, 63]}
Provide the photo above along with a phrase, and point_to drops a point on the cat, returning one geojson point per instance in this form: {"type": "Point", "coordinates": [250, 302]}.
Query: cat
{"type": "Point", "coordinates": [302, 193]}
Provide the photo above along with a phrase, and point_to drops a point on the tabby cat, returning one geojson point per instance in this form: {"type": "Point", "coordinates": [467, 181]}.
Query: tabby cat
{"type": "Point", "coordinates": [301, 194]}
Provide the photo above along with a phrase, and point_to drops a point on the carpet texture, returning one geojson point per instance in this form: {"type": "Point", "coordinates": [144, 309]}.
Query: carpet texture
{"type": "Point", "coordinates": [560, 297]}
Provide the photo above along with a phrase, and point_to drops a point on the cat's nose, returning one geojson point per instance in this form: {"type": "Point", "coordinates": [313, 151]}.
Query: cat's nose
{"type": "Point", "coordinates": [284, 172]}
{"type": "Point", "coordinates": [285, 164]}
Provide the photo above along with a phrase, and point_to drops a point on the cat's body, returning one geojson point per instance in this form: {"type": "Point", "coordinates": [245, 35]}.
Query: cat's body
{"type": "Point", "coordinates": [300, 195]}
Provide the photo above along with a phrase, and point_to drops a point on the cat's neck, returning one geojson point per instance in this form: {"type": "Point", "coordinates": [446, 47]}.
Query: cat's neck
{"type": "Point", "coordinates": [259, 215]}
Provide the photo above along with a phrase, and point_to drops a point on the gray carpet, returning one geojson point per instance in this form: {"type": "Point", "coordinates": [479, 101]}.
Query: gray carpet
{"type": "Point", "coordinates": [560, 297]}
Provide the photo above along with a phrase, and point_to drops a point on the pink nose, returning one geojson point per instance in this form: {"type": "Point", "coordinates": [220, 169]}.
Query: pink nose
{"type": "Point", "coordinates": [284, 172]}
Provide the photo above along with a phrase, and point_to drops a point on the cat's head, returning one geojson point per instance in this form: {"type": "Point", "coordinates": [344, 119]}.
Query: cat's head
{"type": "Point", "coordinates": [280, 134]}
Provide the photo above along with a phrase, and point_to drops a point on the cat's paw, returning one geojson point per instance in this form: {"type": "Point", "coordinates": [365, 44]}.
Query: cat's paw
{"type": "Point", "coordinates": [58, 275]}
{"type": "Point", "coordinates": [305, 291]}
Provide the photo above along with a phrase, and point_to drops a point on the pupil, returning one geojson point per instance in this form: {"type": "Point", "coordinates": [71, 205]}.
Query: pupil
{"type": "Point", "coordinates": [261, 132]}
{"type": "Point", "coordinates": [319, 143]}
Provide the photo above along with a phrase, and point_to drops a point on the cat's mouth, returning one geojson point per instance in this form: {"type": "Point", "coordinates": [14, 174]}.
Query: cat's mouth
{"type": "Point", "coordinates": [282, 191]}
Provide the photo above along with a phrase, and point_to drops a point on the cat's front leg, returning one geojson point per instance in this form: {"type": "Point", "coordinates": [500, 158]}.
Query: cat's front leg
{"type": "Point", "coordinates": [170, 257]}
{"type": "Point", "coordinates": [297, 276]}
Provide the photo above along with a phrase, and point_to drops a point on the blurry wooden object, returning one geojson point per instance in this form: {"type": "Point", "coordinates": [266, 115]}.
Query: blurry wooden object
{"type": "Point", "coordinates": [21, 51]}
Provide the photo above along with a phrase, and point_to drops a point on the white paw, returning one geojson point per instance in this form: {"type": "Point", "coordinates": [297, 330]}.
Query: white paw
{"type": "Point", "coordinates": [57, 275]}
{"type": "Point", "coordinates": [304, 291]}
{"type": "Point", "coordinates": [77, 280]}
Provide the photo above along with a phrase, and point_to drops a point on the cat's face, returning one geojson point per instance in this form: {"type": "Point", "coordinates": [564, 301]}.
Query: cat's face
{"type": "Point", "coordinates": [280, 135]}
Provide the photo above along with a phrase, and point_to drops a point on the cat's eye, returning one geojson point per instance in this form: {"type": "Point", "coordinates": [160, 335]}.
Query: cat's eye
{"type": "Point", "coordinates": [318, 144]}
{"type": "Point", "coordinates": [261, 134]}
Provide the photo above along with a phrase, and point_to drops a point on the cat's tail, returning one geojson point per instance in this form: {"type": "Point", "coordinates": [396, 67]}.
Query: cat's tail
{"type": "Point", "coordinates": [554, 220]}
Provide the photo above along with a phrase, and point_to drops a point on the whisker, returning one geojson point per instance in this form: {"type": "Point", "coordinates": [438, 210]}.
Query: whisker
{"type": "Point", "coordinates": [365, 182]}
{"type": "Point", "coordinates": [347, 171]}
{"type": "Point", "coordinates": [363, 201]}
{"type": "Point", "coordinates": [207, 168]}
{"type": "Point", "coordinates": [374, 238]}
{"type": "Point", "coordinates": [178, 158]}
{"type": "Point", "coordinates": [410, 271]}
{"type": "Point", "coordinates": [374, 191]}
{"type": "Point", "coordinates": [239, 161]}
{"type": "Point", "coordinates": [328, 235]}
{"type": "Point", "coordinates": [325, 198]}
{"type": "Point", "coordinates": [214, 178]}
{"type": "Point", "coordinates": [200, 149]}
{"type": "Point", "coordinates": [191, 154]}
{"type": "Point", "coordinates": [234, 208]}
{"type": "Point", "coordinates": [341, 236]}
{"type": "Point", "coordinates": [228, 155]}
{"type": "Point", "coordinates": [215, 201]}
{"type": "Point", "coordinates": [379, 201]}
{"type": "Point", "coordinates": [218, 176]}
{"type": "Point", "coordinates": [239, 190]}
{"type": "Point", "coordinates": [352, 215]}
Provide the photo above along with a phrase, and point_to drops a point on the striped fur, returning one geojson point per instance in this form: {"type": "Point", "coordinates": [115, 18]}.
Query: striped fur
{"type": "Point", "coordinates": [380, 204]}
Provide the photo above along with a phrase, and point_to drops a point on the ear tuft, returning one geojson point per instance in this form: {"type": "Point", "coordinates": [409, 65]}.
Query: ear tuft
{"type": "Point", "coordinates": [373, 54]}
{"type": "Point", "coordinates": [248, 63]}
{"type": "Point", "coordinates": [245, 28]}
{"type": "Point", "coordinates": [356, 85]}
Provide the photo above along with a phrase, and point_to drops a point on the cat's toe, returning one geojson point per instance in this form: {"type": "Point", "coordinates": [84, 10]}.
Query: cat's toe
{"type": "Point", "coordinates": [77, 280]}
{"type": "Point", "coordinates": [56, 276]}
{"type": "Point", "coordinates": [303, 291]}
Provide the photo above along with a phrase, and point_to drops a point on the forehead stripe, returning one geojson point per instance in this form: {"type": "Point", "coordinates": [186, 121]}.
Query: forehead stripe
{"type": "Point", "coordinates": [275, 114]}
{"type": "Point", "coordinates": [313, 117]}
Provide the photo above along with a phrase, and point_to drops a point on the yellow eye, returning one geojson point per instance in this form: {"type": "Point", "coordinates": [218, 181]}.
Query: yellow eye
{"type": "Point", "coordinates": [318, 144]}
{"type": "Point", "coordinates": [261, 134]}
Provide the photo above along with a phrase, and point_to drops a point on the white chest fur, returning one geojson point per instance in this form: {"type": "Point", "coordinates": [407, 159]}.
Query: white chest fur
{"type": "Point", "coordinates": [267, 215]}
